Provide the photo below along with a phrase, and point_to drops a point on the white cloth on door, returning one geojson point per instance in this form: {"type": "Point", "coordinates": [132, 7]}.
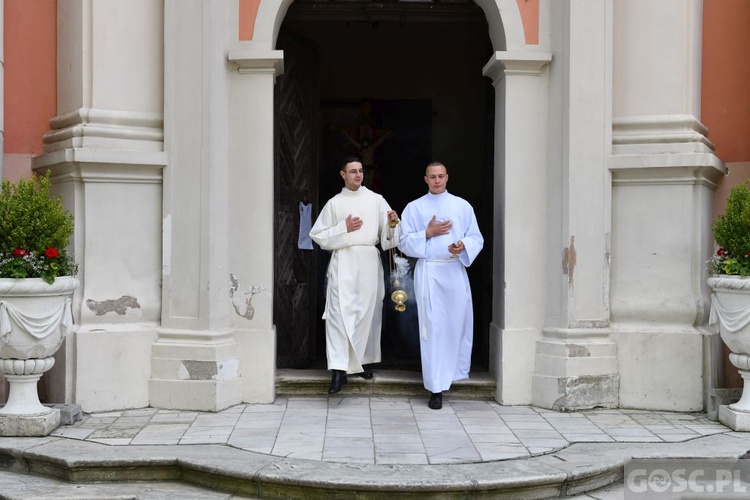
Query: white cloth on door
{"type": "Point", "coordinates": [305, 222]}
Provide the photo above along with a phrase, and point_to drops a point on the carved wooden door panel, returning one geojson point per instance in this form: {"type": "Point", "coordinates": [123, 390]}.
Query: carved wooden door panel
{"type": "Point", "coordinates": [295, 179]}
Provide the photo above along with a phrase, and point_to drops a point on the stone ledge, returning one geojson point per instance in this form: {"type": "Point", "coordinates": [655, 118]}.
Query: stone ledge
{"type": "Point", "coordinates": [573, 470]}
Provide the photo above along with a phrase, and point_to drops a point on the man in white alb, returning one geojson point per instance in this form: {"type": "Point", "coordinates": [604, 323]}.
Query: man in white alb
{"type": "Point", "coordinates": [351, 224]}
{"type": "Point", "coordinates": [441, 231]}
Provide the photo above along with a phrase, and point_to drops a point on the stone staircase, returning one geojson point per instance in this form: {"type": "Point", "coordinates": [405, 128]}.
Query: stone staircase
{"type": "Point", "coordinates": [289, 382]}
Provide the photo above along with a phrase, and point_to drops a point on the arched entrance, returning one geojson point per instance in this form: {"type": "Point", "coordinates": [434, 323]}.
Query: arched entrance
{"type": "Point", "coordinates": [520, 204]}
{"type": "Point", "coordinates": [405, 80]}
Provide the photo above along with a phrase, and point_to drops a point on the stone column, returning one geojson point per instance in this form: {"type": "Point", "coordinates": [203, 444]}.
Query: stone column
{"type": "Point", "coordinates": [576, 360]}
{"type": "Point", "coordinates": [521, 90]}
{"type": "Point", "coordinates": [105, 149]}
{"type": "Point", "coordinates": [663, 176]}
{"type": "Point", "coordinates": [195, 363]}
{"type": "Point", "coordinates": [251, 216]}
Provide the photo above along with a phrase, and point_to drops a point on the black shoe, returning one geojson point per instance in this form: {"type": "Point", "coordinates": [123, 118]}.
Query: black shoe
{"type": "Point", "coordinates": [367, 374]}
{"type": "Point", "coordinates": [338, 380]}
{"type": "Point", "coordinates": [436, 401]}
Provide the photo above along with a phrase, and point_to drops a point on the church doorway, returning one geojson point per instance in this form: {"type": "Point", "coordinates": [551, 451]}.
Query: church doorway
{"type": "Point", "coordinates": [399, 84]}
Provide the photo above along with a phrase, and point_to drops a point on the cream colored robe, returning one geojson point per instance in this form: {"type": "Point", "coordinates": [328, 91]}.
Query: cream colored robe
{"type": "Point", "coordinates": [354, 297]}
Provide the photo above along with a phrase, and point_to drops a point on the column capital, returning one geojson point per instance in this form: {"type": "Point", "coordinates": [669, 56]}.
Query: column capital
{"type": "Point", "coordinates": [258, 61]}
{"type": "Point", "coordinates": [503, 63]}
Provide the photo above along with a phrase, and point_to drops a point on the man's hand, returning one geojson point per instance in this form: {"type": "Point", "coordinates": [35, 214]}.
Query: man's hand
{"type": "Point", "coordinates": [456, 248]}
{"type": "Point", "coordinates": [392, 215]}
{"type": "Point", "coordinates": [437, 228]}
{"type": "Point", "coordinates": [353, 223]}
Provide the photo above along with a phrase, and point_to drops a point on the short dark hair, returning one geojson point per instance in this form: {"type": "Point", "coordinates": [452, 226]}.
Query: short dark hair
{"type": "Point", "coordinates": [435, 164]}
{"type": "Point", "coordinates": [347, 160]}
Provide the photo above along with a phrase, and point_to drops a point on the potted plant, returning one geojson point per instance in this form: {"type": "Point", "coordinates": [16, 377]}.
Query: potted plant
{"type": "Point", "coordinates": [730, 281]}
{"type": "Point", "coordinates": [36, 284]}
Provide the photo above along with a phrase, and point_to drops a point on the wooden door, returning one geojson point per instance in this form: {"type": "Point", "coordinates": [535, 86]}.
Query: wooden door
{"type": "Point", "coordinates": [295, 179]}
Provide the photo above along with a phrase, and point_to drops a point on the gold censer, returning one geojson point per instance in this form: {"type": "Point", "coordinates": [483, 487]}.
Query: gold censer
{"type": "Point", "coordinates": [399, 296]}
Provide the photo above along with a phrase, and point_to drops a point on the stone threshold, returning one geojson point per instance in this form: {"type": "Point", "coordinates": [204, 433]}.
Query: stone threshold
{"type": "Point", "coordinates": [290, 382]}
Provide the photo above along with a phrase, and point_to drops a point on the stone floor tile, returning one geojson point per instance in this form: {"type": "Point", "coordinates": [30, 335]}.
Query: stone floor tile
{"type": "Point", "coordinates": [348, 432]}
{"type": "Point", "coordinates": [527, 425]}
{"type": "Point", "coordinates": [256, 433]}
{"type": "Point", "coordinates": [73, 432]}
{"type": "Point", "coordinates": [521, 417]}
{"type": "Point", "coordinates": [261, 423]}
{"type": "Point", "coordinates": [515, 410]}
{"type": "Point", "coordinates": [397, 438]}
{"type": "Point", "coordinates": [390, 405]}
{"type": "Point", "coordinates": [195, 430]}
{"type": "Point", "coordinates": [201, 439]}
{"type": "Point", "coordinates": [537, 433]}
{"type": "Point", "coordinates": [111, 441]}
{"type": "Point", "coordinates": [107, 414]}
{"type": "Point", "coordinates": [488, 429]}
{"type": "Point", "coordinates": [173, 418]}
{"type": "Point", "coordinates": [140, 412]}
{"type": "Point", "coordinates": [485, 422]}
{"type": "Point", "coordinates": [575, 437]}
{"type": "Point", "coordinates": [631, 432]}
{"type": "Point", "coordinates": [442, 455]}
{"type": "Point", "coordinates": [358, 423]}
{"type": "Point", "coordinates": [546, 443]}
{"type": "Point", "coordinates": [119, 432]}
{"type": "Point", "coordinates": [164, 430]}
{"type": "Point", "coordinates": [343, 442]}
{"type": "Point", "coordinates": [154, 440]}
{"type": "Point", "coordinates": [493, 438]}
{"type": "Point", "coordinates": [394, 429]}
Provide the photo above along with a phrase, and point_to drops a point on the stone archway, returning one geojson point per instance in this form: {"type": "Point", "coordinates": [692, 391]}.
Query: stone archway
{"type": "Point", "coordinates": [521, 84]}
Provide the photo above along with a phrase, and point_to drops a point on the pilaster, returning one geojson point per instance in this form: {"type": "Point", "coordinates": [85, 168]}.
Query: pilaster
{"type": "Point", "coordinates": [521, 84]}
{"type": "Point", "coordinates": [105, 151]}
{"type": "Point", "coordinates": [664, 173]}
{"type": "Point", "coordinates": [576, 360]}
{"type": "Point", "coordinates": [251, 191]}
{"type": "Point", "coordinates": [195, 363]}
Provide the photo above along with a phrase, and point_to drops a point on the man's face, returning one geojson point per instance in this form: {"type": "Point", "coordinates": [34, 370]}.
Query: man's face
{"type": "Point", "coordinates": [436, 178]}
{"type": "Point", "coordinates": [352, 174]}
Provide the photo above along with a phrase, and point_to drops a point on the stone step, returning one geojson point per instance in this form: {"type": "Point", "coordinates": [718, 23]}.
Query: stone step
{"type": "Point", "coordinates": [291, 382]}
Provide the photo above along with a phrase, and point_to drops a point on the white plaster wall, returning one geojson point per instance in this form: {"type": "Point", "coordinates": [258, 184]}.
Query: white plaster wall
{"type": "Point", "coordinates": [655, 44]}
{"type": "Point", "coordinates": [127, 55]}
{"type": "Point", "coordinates": [73, 68]}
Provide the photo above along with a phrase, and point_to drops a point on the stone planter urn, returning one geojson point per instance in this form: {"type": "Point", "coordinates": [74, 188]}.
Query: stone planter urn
{"type": "Point", "coordinates": [730, 310]}
{"type": "Point", "coordinates": [35, 317]}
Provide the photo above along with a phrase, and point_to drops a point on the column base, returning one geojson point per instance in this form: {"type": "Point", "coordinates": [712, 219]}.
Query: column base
{"type": "Point", "coordinates": [29, 425]}
{"type": "Point", "coordinates": [576, 369]}
{"type": "Point", "coordinates": [735, 420]}
{"type": "Point", "coordinates": [195, 370]}
{"type": "Point", "coordinates": [195, 395]}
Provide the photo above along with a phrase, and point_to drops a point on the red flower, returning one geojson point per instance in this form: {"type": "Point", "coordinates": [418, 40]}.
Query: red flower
{"type": "Point", "coordinates": [20, 252]}
{"type": "Point", "coordinates": [721, 252]}
{"type": "Point", "coordinates": [51, 253]}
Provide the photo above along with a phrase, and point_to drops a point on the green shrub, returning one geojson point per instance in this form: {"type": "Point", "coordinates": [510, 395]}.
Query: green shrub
{"type": "Point", "coordinates": [732, 233]}
{"type": "Point", "coordinates": [35, 228]}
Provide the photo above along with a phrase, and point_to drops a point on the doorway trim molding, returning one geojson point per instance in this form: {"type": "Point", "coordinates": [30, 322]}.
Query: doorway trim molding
{"type": "Point", "coordinates": [520, 77]}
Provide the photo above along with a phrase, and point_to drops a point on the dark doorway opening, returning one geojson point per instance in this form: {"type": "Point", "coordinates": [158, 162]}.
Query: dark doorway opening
{"type": "Point", "coordinates": [402, 83]}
